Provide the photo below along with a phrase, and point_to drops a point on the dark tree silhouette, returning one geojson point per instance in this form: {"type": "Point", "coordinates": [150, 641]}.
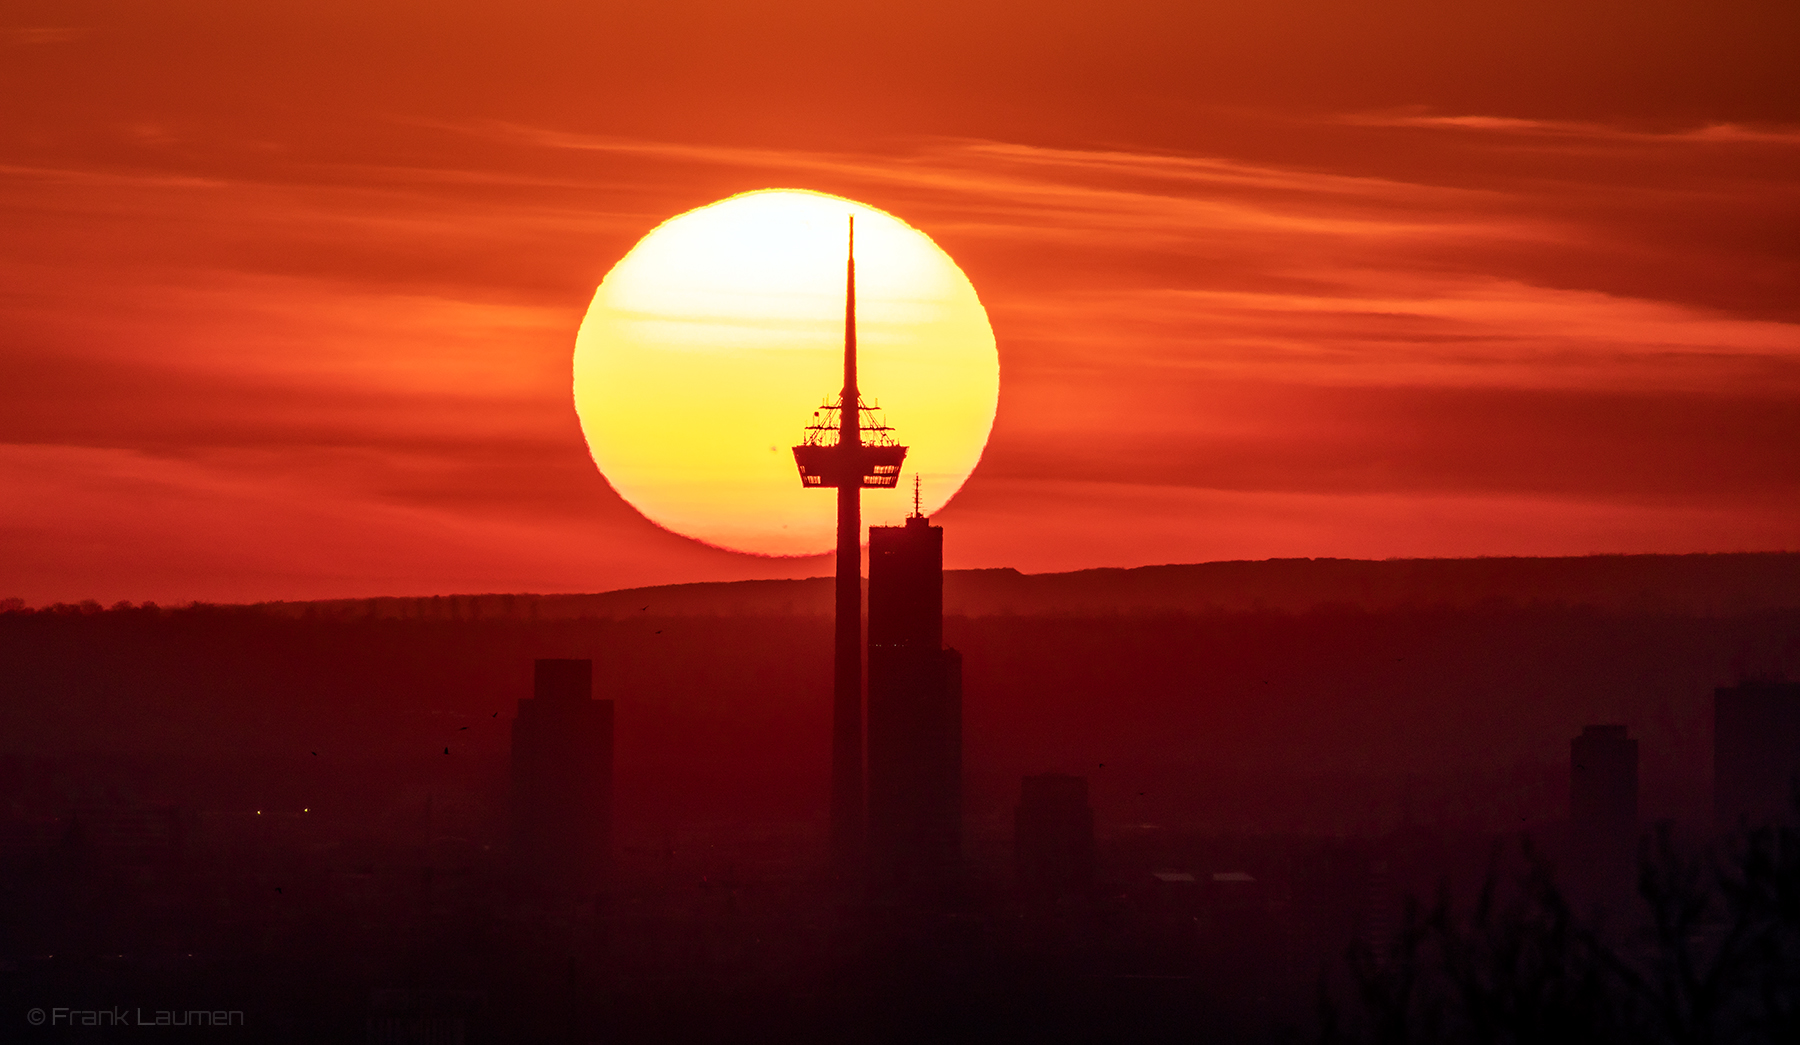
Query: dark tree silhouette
{"type": "Point", "coordinates": [1711, 956]}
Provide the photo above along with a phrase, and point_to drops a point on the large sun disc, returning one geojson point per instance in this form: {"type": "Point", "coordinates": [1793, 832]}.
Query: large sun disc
{"type": "Point", "coordinates": [708, 347]}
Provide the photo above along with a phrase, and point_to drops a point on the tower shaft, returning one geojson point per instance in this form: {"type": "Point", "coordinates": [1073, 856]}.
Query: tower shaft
{"type": "Point", "coordinates": [846, 718]}
{"type": "Point", "coordinates": [847, 452]}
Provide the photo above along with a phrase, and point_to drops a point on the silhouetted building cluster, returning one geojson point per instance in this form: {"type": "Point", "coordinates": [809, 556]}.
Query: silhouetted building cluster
{"type": "Point", "coordinates": [1756, 752]}
{"type": "Point", "coordinates": [411, 1017]}
{"type": "Point", "coordinates": [915, 711]}
{"type": "Point", "coordinates": [720, 918]}
{"type": "Point", "coordinates": [562, 757]}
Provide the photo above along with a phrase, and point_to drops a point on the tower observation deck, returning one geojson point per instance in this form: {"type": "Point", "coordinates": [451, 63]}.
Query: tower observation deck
{"type": "Point", "coordinates": [846, 448]}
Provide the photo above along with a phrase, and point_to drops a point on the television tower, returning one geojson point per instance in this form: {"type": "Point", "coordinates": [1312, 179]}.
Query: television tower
{"type": "Point", "coordinates": [847, 448]}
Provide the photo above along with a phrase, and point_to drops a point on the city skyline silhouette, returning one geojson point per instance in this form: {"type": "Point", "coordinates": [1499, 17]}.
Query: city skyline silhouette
{"type": "Point", "coordinates": [1312, 554]}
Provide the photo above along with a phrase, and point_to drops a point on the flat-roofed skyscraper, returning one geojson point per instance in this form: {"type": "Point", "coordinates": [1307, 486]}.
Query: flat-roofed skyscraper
{"type": "Point", "coordinates": [1756, 752]}
{"type": "Point", "coordinates": [915, 711]}
{"type": "Point", "coordinates": [562, 755]}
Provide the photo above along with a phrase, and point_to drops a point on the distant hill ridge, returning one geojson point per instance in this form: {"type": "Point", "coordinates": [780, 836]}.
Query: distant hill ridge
{"type": "Point", "coordinates": [1701, 584]}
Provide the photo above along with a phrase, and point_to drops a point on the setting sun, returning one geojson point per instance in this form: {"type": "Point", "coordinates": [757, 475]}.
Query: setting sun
{"type": "Point", "coordinates": [709, 346]}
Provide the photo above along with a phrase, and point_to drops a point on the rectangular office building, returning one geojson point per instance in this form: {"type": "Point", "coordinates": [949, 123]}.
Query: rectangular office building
{"type": "Point", "coordinates": [915, 711]}
{"type": "Point", "coordinates": [1756, 752]}
{"type": "Point", "coordinates": [562, 756]}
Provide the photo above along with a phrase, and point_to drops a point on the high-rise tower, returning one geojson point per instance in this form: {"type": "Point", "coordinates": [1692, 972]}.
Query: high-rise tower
{"type": "Point", "coordinates": [835, 454]}
{"type": "Point", "coordinates": [1756, 752]}
{"type": "Point", "coordinates": [562, 756]}
{"type": "Point", "coordinates": [915, 712]}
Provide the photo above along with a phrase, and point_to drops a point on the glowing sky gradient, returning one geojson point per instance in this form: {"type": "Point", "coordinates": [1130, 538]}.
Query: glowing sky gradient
{"type": "Point", "coordinates": [291, 291]}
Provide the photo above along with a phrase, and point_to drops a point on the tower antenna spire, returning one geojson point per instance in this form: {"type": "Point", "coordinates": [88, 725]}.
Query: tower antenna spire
{"type": "Point", "coordinates": [852, 398]}
{"type": "Point", "coordinates": [917, 512]}
{"type": "Point", "coordinates": [846, 451]}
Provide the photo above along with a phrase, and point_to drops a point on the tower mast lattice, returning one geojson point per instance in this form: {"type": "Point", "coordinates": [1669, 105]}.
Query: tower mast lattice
{"type": "Point", "coordinates": [834, 454]}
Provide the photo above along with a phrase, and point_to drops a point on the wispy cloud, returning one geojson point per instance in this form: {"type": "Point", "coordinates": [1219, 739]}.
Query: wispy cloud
{"type": "Point", "coordinates": [1070, 192]}
{"type": "Point", "coordinates": [111, 523]}
{"type": "Point", "coordinates": [1396, 278]}
{"type": "Point", "coordinates": [1315, 352]}
{"type": "Point", "coordinates": [39, 35]}
{"type": "Point", "coordinates": [1584, 131]}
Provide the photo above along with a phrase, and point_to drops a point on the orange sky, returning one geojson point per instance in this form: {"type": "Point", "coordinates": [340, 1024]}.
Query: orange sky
{"type": "Point", "coordinates": [289, 291]}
